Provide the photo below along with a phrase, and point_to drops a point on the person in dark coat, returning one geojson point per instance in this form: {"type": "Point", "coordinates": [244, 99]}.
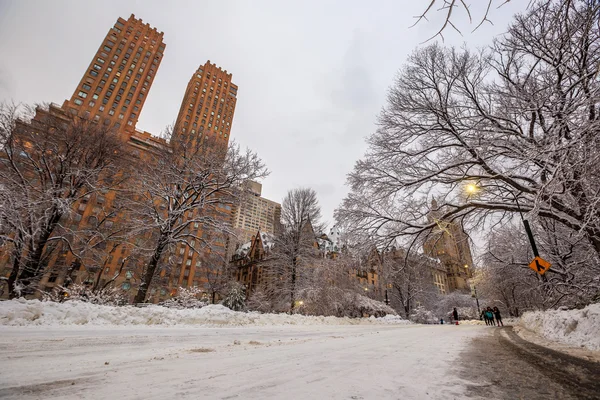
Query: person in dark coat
{"type": "Point", "coordinates": [498, 316]}
{"type": "Point", "coordinates": [455, 315]}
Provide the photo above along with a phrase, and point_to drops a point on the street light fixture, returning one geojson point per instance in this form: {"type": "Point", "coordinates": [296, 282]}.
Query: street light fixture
{"type": "Point", "coordinates": [472, 188]}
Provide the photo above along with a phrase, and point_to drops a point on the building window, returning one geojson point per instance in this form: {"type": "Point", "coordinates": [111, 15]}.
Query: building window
{"type": "Point", "coordinates": [82, 94]}
{"type": "Point", "coordinates": [78, 102]}
{"type": "Point", "coordinates": [86, 87]}
{"type": "Point", "coordinates": [91, 104]}
{"type": "Point", "coordinates": [126, 286]}
{"type": "Point", "coordinates": [93, 73]}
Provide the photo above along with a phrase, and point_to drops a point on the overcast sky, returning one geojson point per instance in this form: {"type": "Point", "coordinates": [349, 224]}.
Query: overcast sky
{"type": "Point", "coordinates": [312, 75]}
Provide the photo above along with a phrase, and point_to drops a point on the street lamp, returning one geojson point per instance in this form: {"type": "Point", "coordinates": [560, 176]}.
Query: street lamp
{"type": "Point", "coordinates": [473, 188]}
{"type": "Point", "coordinates": [476, 300]}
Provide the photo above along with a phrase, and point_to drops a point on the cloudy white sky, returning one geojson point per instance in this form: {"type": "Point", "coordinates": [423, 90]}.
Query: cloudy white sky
{"type": "Point", "coordinates": [312, 75]}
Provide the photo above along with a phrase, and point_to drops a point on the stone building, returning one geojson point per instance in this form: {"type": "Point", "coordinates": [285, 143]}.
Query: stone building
{"type": "Point", "coordinates": [450, 245]}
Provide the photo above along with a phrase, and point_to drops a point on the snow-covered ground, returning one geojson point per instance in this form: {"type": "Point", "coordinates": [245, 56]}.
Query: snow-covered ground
{"type": "Point", "coordinates": [33, 312]}
{"type": "Point", "coordinates": [250, 362]}
{"type": "Point", "coordinates": [578, 328]}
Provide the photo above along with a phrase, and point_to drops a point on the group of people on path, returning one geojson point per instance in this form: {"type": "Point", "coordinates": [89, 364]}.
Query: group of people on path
{"type": "Point", "coordinates": [489, 314]}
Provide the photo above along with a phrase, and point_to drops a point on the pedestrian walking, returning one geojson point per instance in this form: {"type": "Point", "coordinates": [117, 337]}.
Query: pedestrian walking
{"type": "Point", "coordinates": [498, 316]}
{"type": "Point", "coordinates": [455, 315]}
{"type": "Point", "coordinates": [490, 315]}
{"type": "Point", "coordinates": [484, 317]}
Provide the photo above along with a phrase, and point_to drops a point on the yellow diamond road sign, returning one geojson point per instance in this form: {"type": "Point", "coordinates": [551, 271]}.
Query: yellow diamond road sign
{"type": "Point", "coordinates": [539, 265]}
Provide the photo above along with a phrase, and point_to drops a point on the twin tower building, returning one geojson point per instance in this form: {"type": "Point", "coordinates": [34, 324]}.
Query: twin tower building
{"type": "Point", "coordinates": [113, 91]}
{"type": "Point", "coordinates": [116, 85]}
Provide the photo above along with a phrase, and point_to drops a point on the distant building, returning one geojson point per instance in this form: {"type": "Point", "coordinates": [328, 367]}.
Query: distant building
{"type": "Point", "coordinates": [255, 213]}
{"type": "Point", "coordinates": [450, 245]}
{"type": "Point", "coordinates": [247, 258]}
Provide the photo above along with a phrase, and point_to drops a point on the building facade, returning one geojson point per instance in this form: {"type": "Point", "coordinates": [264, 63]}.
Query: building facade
{"type": "Point", "coordinates": [113, 91]}
{"type": "Point", "coordinates": [115, 86]}
{"type": "Point", "coordinates": [208, 106]}
{"type": "Point", "coordinates": [255, 213]}
{"type": "Point", "coordinates": [450, 245]}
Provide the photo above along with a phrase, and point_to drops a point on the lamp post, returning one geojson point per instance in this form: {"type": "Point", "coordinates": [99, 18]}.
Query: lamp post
{"type": "Point", "coordinates": [476, 300]}
{"type": "Point", "coordinates": [472, 188]}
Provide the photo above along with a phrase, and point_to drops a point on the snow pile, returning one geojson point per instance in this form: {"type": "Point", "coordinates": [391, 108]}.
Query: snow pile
{"type": "Point", "coordinates": [33, 312]}
{"type": "Point", "coordinates": [471, 322]}
{"type": "Point", "coordinates": [579, 328]}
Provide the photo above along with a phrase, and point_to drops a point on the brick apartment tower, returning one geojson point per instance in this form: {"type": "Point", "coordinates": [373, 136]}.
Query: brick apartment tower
{"type": "Point", "coordinates": [206, 112]}
{"type": "Point", "coordinates": [208, 106]}
{"type": "Point", "coordinates": [116, 84]}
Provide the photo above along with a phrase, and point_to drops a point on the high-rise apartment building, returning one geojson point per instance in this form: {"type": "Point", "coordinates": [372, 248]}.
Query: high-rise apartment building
{"type": "Point", "coordinates": [206, 113]}
{"type": "Point", "coordinates": [115, 86]}
{"type": "Point", "coordinates": [208, 105]}
{"type": "Point", "coordinates": [113, 91]}
{"type": "Point", "coordinates": [256, 213]}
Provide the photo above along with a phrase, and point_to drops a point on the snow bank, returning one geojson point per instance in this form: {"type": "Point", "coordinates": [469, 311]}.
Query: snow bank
{"type": "Point", "coordinates": [33, 312]}
{"type": "Point", "coordinates": [579, 328]}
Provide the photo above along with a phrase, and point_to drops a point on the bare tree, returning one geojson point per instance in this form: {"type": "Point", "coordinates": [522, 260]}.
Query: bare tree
{"type": "Point", "coordinates": [186, 193]}
{"type": "Point", "coordinates": [516, 123]}
{"type": "Point", "coordinates": [507, 279]}
{"type": "Point", "coordinates": [411, 280]}
{"type": "Point", "coordinates": [48, 162]}
{"type": "Point", "coordinates": [449, 9]}
{"type": "Point", "coordinates": [292, 261]}
{"type": "Point", "coordinates": [215, 271]}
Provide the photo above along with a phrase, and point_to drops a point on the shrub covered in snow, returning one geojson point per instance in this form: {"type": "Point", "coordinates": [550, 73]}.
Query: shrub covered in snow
{"type": "Point", "coordinates": [186, 298]}
{"type": "Point", "coordinates": [580, 328]}
{"type": "Point", "coordinates": [420, 315]}
{"type": "Point", "coordinates": [78, 292]}
{"type": "Point", "coordinates": [341, 303]}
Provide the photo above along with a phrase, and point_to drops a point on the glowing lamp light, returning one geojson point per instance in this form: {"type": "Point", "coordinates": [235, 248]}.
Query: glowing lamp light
{"type": "Point", "coordinates": [471, 188]}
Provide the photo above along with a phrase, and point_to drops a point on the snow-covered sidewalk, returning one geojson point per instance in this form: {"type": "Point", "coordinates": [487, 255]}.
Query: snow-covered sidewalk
{"type": "Point", "coordinates": [33, 312]}
{"type": "Point", "coordinates": [288, 361]}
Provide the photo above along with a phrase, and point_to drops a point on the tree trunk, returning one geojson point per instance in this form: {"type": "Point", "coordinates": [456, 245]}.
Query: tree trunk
{"type": "Point", "coordinates": [31, 269]}
{"type": "Point", "coordinates": [14, 273]}
{"type": "Point", "coordinates": [150, 270]}
{"type": "Point", "coordinates": [293, 289]}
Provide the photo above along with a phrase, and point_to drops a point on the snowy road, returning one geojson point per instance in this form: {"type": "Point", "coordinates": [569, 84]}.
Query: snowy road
{"type": "Point", "coordinates": [293, 362]}
{"type": "Point", "coordinates": [287, 362]}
